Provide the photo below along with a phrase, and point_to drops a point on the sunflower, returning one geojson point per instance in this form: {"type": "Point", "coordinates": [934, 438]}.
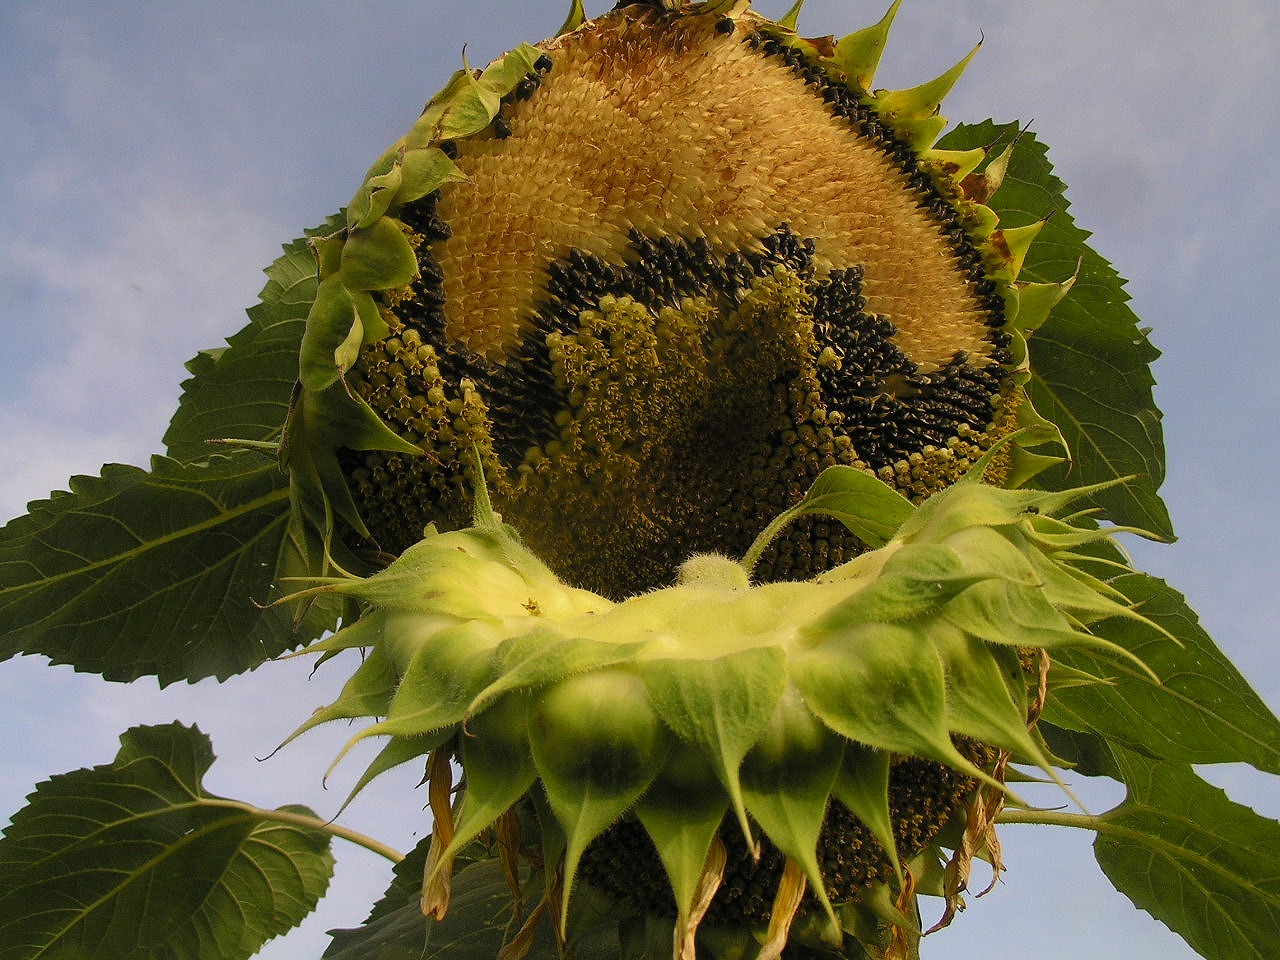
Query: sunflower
{"type": "Point", "coordinates": [631, 293]}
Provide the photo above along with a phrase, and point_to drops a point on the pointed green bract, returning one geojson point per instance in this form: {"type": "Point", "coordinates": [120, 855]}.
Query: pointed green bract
{"type": "Point", "coordinates": [921, 102]}
{"type": "Point", "coordinates": [879, 684]}
{"type": "Point", "coordinates": [577, 16]}
{"type": "Point", "coordinates": [442, 678]}
{"type": "Point", "coordinates": [914, 581]}
{"type": "Point", "coordinates": [858, 54]}
{"type": "Point", "coordinates": [597, 746]}
{"type": "Point", "coordinates": [868, 507]}
{"type": "Point", "coordinates": [682, 812]}
{"type": "Point", "coordinates": [722, 706]}
{"type": "Point", "coordinates": [532, 661]}
{"type": "Point", "coordinates": [862, 785]}
{"type": "Point", "coordinates": [333, 316]}
{"type": "Point", "coordinates": [368, 693]}
{"type": "Point", "coordinates": [979, 700]}
{"type": "Point", "coordinates": [394, 753]}
{"type": "Point", "coordinates": [791, 18]}
{"type": "Point", "coordinates": [787, 779]}
{"type": "Point", "coordinates": [378, 257]}
{"type": "Point", "coordinates": [1016, 243]}
{"type": "Point", "coordinates": [495, 755]}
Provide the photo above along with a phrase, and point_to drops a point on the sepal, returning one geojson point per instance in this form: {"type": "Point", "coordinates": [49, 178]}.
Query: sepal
{"type": "Point", "coordinates": [858, 54]}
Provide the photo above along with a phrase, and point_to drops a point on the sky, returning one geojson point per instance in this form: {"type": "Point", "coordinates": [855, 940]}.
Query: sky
{"type": "Point", "coordinates": [157, 154]}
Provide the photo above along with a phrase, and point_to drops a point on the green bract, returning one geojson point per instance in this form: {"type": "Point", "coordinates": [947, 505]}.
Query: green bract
{"type": "Point", "coordinates": [719, 711]}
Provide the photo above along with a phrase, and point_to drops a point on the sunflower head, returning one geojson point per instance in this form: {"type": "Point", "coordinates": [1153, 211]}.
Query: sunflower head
{"type": "Point", "coordinates": [656, 293]}
{"type": "Point", "coordinates": [653, 276]}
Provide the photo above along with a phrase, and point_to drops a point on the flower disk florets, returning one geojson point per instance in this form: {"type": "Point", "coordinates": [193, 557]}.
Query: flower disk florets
{"type": "Point", "coordinates": [645, 285]}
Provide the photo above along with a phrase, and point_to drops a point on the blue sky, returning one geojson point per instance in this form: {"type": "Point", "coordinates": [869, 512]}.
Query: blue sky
{"type": "Point", "coordinates": [156, 155]}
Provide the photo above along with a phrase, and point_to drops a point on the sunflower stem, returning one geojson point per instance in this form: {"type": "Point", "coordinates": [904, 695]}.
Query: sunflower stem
{"type": "Point", "coordinates": [1055, 818]}
{"type": "Point", "coordinates": [309, 822]}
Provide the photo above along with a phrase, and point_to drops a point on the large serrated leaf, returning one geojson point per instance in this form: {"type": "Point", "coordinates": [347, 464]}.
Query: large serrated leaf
{"type": "Point", "coordinates": [1203, 711]}
{"type": "Point", "coordinates": [242, 391]}
{"type": "Point", "coordinates": [133, 860]}
{"type": "Point", "coordinates": [1205, 866]}
{"type": "Point", "coordinates": [1090, 361]}
{"type": "Point", "coordinates": [396, 928]}
{"type": "Point", "coordinates": [480, 919]}
{"type": "Point", "coordinates": [139, 573]}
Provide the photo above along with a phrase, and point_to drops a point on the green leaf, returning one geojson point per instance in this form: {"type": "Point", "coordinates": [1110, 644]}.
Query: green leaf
{"type": "Point", "coordinates": [396, 928]}
{"type": "Point", "coordinates": [158, 573]}
{"type": "Point", "coordinates": [1203, 711]}
{"type": "Point", "coordinates": [1086, 753]}
{"type": "Point", "coordinates": [481, 918]}
{"type": "Point", "coordinates": [134, 861]}
{"type": "Point", "coordinates": [242, 391]}
{"type": "Point", "coordinates": [1205, 866]}
{"type": "Point", "coordinates": [1090, 361]}
{"type": "Point", "coordinates": [476, 926]}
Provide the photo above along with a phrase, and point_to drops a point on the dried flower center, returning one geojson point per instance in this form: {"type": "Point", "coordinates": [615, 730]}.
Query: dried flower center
{"type": "Point", "coordinates": [669, 128]}
{"type": "Point", "coordinates": [687, 272]}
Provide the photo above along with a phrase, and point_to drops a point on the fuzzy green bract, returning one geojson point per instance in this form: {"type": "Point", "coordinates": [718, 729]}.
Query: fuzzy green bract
{"type": "Point", "coordinates": [718, 695]}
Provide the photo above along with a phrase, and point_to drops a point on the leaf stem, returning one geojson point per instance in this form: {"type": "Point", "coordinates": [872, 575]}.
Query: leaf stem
{"type": "Point", "coordinates": [1054, 818]}
{"type": "Point", "coordinates": [766, 537]}
{"type": "Point", "coordinates": [310, 822]}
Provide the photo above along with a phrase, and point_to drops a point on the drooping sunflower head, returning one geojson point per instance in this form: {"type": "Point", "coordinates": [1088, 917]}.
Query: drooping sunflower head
{"type": "Point", "coordinates": [658, 273]}
{"type": "Point", "coordinates": [645, 285]}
